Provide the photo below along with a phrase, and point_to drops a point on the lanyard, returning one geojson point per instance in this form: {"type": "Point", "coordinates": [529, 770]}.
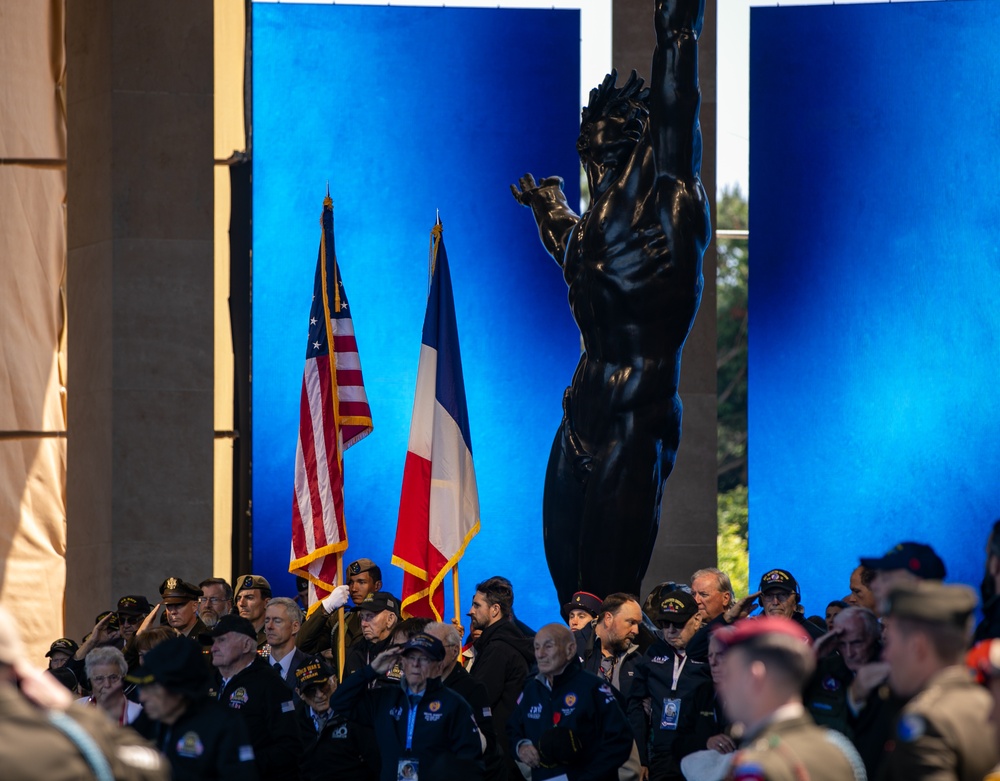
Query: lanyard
{"type": "Point", "coordinates": [411, 720]}
{"type": "Point", "coordinates": [677, 669]}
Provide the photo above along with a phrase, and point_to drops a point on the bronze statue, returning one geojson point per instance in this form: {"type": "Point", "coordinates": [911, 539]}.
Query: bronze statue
{"type": "Point", "coordinates": [633, 266]}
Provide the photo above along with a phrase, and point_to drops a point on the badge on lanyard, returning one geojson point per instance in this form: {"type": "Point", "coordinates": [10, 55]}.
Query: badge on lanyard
{"type": "Point", "coordinates": [406, 770]}
{"type": "Point", "coordinates": [671, 713]}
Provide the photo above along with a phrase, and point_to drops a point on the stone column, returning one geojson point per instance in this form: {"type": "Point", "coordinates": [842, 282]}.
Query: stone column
{"type": "Point", "coordinates": [689, 516]}
{"type": "Point", "coordinates": [140, 313]}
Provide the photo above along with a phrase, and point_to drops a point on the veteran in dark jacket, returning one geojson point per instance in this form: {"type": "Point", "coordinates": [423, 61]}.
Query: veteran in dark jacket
{"type": "Point", "coordinates": [250, 686]}
{"type": "Point", "coordinates": [423, 728]}
{"type": "Point", "coordinates": [568, 721]}
{"type": "Point", "coordinates": [202, 738]}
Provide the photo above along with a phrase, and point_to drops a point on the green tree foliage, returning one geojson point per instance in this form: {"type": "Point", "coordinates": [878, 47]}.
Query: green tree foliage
{"type": "Point", "coordinates": [731, 371]}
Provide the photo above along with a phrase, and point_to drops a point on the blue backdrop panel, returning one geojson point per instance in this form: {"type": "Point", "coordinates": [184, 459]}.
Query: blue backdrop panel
{"type": "Point", "coordinates": [875, 332]}
{"type": "Point", "coordinates": [404, 111]}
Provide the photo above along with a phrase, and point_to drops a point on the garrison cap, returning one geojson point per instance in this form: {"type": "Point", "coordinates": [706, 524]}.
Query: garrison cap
{"type": "Point", "coordinates": [174, 591]}
{"type": "Point", "coordinates": [426, 644]}
{"type": "Point", "coordinates": [583, 600]}
{"type": "Point", "coordinates": [176, 664]}
{"type": "Point", "coordinates": [231, 622]}
{"type": "Point", "coordinates": [778, 578]}
{"type": "Point", "coordinates": [134, 605]}
{"type": "Point", "coordinates": [313, 672]}
{"type": "Point", "coordinates": [64, 645]}
{"type": "Point", "coordinates": [359, 566]}
{"type": "Point", "coordinates": [250, 582]}
{"type": "Point", "coordinates": [676, 607]}
{"type": "Point", "coordinates": [933, 602]}
{"type": "Point", "coordinates": [915, 557]}
{"type": "Point", "coordinates": [378, 601]}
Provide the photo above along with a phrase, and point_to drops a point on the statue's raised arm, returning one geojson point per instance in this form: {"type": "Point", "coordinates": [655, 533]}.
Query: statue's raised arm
{"type": "Point", "coordinates": [633, 264]}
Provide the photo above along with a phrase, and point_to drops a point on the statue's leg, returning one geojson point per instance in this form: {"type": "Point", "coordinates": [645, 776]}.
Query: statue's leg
{"type": "Point", "coordinates": [621, 510]}
{"type": "Point", "coordinates": [562, 510]}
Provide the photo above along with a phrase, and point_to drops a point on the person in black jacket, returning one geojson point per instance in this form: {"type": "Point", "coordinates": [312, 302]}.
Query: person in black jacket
{"type": "Point", "coordinates": [568, 722]}
{"type": "Point", "coordinates": [379, 612]}
{"type": "Point", "coordinates": [609, 647]}
{"type": "Point", "coordinates": [669, 706]}
{"type": "Point", "coordinates": [421, 725]}
{"type": "Point", "coordinates": [250, 686]}
{"type": "Point", "coordinates": [202, 739]}
{"type": "Point", "coordinates": [333, 747]}
{"type": "Point", "coordinates": [503, 656]}
{"type": "Point", "coordinates": [456, 678]}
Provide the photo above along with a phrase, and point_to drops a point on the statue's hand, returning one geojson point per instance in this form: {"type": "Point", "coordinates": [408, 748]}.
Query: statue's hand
{"type": "Point", "coordinates": [526, 188]}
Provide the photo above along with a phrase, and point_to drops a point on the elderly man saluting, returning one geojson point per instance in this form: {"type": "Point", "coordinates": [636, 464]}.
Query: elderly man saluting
{"type": "Point", "coordinates": [424, 729]}
{"type": "Point", "coordinates": [568, 721]}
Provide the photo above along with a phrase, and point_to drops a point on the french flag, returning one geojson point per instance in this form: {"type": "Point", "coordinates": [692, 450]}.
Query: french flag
{"type": "Point", "coordinates": [439, 505]}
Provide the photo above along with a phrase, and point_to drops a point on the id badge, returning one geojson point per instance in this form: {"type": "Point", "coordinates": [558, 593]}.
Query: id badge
{"type": "Point", "coordinates": [671, 713]}
{"type": "Point", "coordinates": [406, 770]}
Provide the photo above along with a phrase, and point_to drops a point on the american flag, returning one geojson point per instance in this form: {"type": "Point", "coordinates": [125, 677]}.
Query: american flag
{"type": "Point", "coordinates": [333, 415]}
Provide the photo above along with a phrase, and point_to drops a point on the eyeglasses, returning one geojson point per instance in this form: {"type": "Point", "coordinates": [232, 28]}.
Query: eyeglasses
{"type": "Point", "coordinates": [101, 680]}
{"type": "Point", "coordinates": [124, 619]}
{"type": "Point", "coordinates": [213, 601]}
{"type": "Point", "coordinates": [775, 596]}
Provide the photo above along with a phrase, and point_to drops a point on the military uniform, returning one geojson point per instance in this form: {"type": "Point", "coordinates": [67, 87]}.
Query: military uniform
{"type": "Point", "coordinates": [943, 733]}
{"type": "Point", "coordinates": [792, 748]}
{"type": "Point", "coordinates": [320, 631]}
{"type": "Point", "coordinates": [583, 703]}
{"type": "Point", "coordinates": [31, 747]}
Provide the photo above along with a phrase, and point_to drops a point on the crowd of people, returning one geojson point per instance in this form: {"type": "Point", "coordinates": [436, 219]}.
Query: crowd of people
{"type": "Point", "coordinates": [217, 682]}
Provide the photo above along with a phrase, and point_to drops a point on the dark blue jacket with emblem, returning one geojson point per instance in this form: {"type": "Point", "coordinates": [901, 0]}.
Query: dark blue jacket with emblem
{"type": "Point", "coordinates": [584, 703]}
{"type": "Point", "coordinates": [261, 697]}
{"type": "Point", "coordinates": [206, 743]}
{"type": "Point", "coordinates": [690, 725]}
{"type": "Point", "coordinates": [444, 731]}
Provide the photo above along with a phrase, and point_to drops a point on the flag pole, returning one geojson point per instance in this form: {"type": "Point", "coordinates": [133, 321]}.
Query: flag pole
{"type": "Point", "coordinates": [456, 598]}
{"type": "Point", "coordinates": [340, 620]}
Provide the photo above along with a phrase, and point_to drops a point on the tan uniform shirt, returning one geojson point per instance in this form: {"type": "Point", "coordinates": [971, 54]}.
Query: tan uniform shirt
{"type": "Point", "coordinates": [943, 733]}
{"type": "Point", "coordinates": [793, 748]}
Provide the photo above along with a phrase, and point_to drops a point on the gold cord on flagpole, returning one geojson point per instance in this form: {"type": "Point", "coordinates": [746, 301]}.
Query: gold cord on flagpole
{"type": "Point", "coordinates": [340, 618]}
{"type": "Point", "coordinates": [457, 597]}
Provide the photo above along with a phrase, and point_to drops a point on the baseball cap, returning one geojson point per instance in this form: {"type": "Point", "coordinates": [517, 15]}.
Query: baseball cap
{"type": "Point", "coordinates": [378, 601]}
{"type": "Point", "coordinates": [134, 605]}
{"type": "Point", "coordinates": [427, 644]}
{"type": "Point", "coordinates": [676, 607]}
{"type": "Point", "coordinates": [65, 645]}
{"type": "Point", "coordinates": [778, 578]}
{"type": "Point", "coordinates": [916, 557]}
{"type": "Point", "coordinates": [313, 672]}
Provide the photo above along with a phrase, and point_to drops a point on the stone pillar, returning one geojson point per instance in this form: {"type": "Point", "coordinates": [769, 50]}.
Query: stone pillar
{"type": "Point", "coordinates": [140, 311]}
{"type": "Point", "coordinates": [689, 517]}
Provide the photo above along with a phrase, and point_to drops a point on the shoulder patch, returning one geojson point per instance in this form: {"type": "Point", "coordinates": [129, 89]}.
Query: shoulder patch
{"type": "Point", "coordinates": [747, 770]}
{"type": "Point", "coordinates": [288, 707]}
{"type": "Point", "coordinates": [911, 727]}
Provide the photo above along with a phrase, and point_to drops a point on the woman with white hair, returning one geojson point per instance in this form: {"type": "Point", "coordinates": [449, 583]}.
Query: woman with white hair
{"type": "Point", "coordinates": [106, 670]}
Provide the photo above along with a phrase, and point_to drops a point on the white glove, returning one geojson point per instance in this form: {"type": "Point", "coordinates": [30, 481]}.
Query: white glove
{"type": "Point", "coordinates": [337, 598]}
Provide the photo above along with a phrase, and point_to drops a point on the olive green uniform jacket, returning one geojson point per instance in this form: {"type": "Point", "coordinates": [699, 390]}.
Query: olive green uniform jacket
{"type": "Point", "coordinates": [793, 748]}
{"type": "Point", "coordinates": [944, 733]}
